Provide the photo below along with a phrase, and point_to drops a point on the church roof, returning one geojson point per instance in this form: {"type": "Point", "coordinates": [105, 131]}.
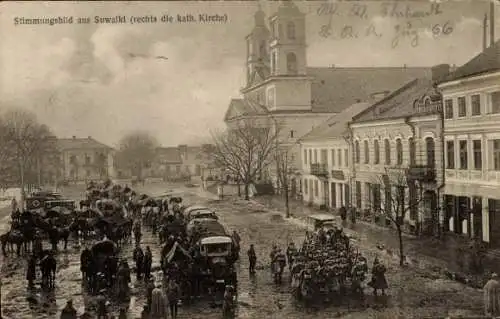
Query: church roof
{"type": "Point", "coordinates": [334, 89]}
{"type": "Point", "coordinates": [402, 102]}
{"type": "Point", "coordinates": [336, 125]}
{"type": "Point", "coordinates": [485, 62]}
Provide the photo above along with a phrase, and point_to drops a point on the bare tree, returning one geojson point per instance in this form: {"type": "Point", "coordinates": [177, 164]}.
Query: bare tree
{"type": "Point", "coordinates": [402, 195]}
{"type": "Point", "coordinates": [137, 152]}
{"type": "Point", "coordinates": [246, 149]}
{"type": "Point", "coordinates": [26, 140]}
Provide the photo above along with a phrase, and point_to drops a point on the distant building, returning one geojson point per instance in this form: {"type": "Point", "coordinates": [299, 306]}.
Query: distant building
{"type": "Point", "coordinates": [472, 148]}
{"type": "Point", "coordinates": [84, 159]}
{"type": "Point", "coordinates": [182, 161]}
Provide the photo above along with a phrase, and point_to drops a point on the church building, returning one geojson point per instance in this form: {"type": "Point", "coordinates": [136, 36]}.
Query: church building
{"type": "Point", "coordinates": [282, 91]}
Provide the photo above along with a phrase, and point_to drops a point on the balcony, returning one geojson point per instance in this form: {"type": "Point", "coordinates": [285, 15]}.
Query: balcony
{"type": "Point", "coordinates": [319, 169]}
{"type": "Point", "coordinates": [422, 173]}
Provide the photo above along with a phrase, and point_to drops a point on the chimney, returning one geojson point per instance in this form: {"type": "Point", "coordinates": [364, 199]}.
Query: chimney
{"type": "Point", "coordinates": [485, 31]}
{"type": "Point", "coordinates": [439, 72]}
{"type": "Point", "coordinates": [74, 137]}
{"type": "Point", "coordinates": [492, 23]}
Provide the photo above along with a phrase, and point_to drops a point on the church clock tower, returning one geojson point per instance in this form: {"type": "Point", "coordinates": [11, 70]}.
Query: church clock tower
{"type": "Point", "coordinates": [258, 50]}
{"type": "Point", "coordinates": [290, 85]}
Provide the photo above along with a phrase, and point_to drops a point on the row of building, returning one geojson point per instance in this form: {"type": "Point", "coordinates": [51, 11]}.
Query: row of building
{"type": "Point", "coordinates": [84, 159]}
{"type": "Point", "coordinates": [437, 128]}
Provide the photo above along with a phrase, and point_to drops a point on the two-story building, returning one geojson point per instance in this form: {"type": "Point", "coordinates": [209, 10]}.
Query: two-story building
{"type": "Point", "coordinates": [84, 159]}
{"type": "Point", "coordinates": [282, 91]}
{"type": "Point", "coordinates": [472, 147]}
{"type": "Point", "coordinates": [325, 161]}
{"type": "Point", "coordinates": [397, 143]}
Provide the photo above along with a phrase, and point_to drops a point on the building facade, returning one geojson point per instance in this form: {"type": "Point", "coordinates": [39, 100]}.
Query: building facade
{"type": "Point", "coordinates": [397, 143]}
{"type": "Point", "coordinates": [326, 161]}
{"type": "Point", "coordinates": [84, 159]}
{"type": "Point", "coordinates": [283, 92]}
{"type": "Point", "coordinates": [472, 147]}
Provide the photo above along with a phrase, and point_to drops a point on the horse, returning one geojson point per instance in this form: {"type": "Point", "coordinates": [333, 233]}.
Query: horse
{"type": "Point", "coordinates": [11, 238]}
{"type": "Point", "coordinates": [48, 265]}
{"type": "Point", "coordinates": [56, 234]}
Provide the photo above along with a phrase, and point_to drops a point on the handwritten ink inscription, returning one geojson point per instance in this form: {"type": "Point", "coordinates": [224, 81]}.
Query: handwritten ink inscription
{"type": "Point", "coordinates": [363, 25]}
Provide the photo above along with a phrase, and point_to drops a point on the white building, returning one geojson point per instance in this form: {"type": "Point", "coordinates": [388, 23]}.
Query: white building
{"type": "Point", "coordinates": [282, 90]}
{"type": "Point", "coordinates": [397, 141]}
{"type": "Point", "coordinates": [472, 147]}
{"type": "Point", "coordinates": [326, 161]}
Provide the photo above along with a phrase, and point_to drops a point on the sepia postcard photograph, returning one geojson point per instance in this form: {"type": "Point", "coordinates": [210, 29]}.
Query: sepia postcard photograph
{"type": "Point", "coordinates": [256, 159]}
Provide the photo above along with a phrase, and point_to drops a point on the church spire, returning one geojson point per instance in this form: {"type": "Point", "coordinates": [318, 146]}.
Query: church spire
{"type": "Point", "coordinates": [259, 16]}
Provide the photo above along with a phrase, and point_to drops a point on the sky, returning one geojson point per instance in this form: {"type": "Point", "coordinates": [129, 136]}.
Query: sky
{"type": "Point", "coordinates": [104, 80]}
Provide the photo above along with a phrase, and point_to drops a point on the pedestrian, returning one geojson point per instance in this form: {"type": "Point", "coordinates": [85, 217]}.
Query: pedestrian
{"type": "Point", "coordinates": [173, 295]}
{"type": "Point", "coordinates": [68, 312]}
{"type": "Point", "coordinates": [148, 261]}
{"type": "Point", "coordinates": [31, 271]}
{"type": "Point", "coordinates": [378, 277]}
{"type": "Point", "coordinates": [158, 304]}
{"type": "Point", "coordinates": [491, 296]}
{"type": "Point", "coordinates": [149, 292]}
{"type": "Point", "coordinates": [252, 259]}
{"type": "Point", "coordinates": [13, 205]}
{"type": "Point", "coordinates": [139, 261]}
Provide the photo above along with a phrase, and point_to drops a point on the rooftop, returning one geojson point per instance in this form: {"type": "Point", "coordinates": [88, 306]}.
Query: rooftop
{"type": "Point", "coordinates": [75, 143]}
{"type": "Point", "coordinates": [336, 125]}
{"type": "Point", "coordinates": [485, 62]}
{"type": "Point", "coordinates": [416, 97]}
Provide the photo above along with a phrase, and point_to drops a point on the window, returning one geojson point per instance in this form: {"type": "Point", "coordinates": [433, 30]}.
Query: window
{"type": "Point", "coordinates": [448, 109]}
{"type": "Point", "coordinates": [399, 152]}
{"type": "Point", "coordinates": [316, 188]}
{"type": "Point", "coordinates": [324, 156]}
{"type": "Point", "coordinates": [291, 133]}
{"type": "Point", "coordinates": [305, 157]}
{"type": "Point", "coordinates": [476, 149]}
{"type": "Point", "coordinates": [333, 158]}
{"type": "Point", "coordinates": [339, 155]}
{"type": "Point", "coordinates": [430, 149]}
{"type": "Point", "coordinates": [462, 109]}
{"type": "Point", "coordinates": [305, 186]}
{"type": "Point", "coordinates": [387, 148]}
{"type": "Point", "coordinates": [310, 157]}
{"type": "Point", "coordinates": [358, 194]}
{"type": "Point", "coordinates": [291, 63]}
{"type": "Point", "coordinates": [367, 152]}
{"type": "Point", "coordinates": [376, 148]}
{"type": "Point", "coordinates": [413, 154]}
{"type": "Point", "coordinates": [356, 151]}
{"type": "Point", "coordinates": [463, 154]}
{"type": "Point", "coordinates": [315, 156]}
{"type": "Point", "coordinates": [346, 158]}
{"type": "Point", "coordinates": [87, 159]}
{"type": "Point", "coordinates": [495, 102]}
{"type": "Point", "coordinates": [262, 49]}
{"type": "Point", "coordinates": [290, 31]}
{"type": "Point", "coordinates": [450, 153]}
{"type": "Point", "coordinates": [87, 172]}
{"type": "Point", "coordinates": [475, 102]}
{"type": "Point", "coordinates": [72, 159]}
{"type": "Point", "coordinates": [496, 155]}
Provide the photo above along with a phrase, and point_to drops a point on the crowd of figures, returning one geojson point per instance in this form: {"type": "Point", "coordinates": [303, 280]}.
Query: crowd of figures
{"type": "Point", "coordinates": [326, 267]}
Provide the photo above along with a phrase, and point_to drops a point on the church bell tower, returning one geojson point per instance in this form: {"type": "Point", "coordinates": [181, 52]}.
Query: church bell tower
{"type": "Point", "coordinates": [257, 48]}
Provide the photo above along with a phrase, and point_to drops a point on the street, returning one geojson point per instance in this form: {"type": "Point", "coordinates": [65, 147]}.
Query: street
{"type": "Point", "coordinates": [413, 293]}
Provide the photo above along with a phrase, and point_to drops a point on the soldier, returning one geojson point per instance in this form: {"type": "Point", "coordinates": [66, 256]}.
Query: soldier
{"type": "Point", "coordinates": [252, 259]}
{"type": "Point", "coordinates": [139, 261]}
{"type": "Point", "coordinates": [148, 261]}
{"type": "Point", "coordinates": [359, 275]}
{"type": "Point", "coordinates": [291, 253]}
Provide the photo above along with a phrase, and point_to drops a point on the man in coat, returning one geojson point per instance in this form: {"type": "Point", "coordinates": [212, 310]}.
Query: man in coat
{"type": "Point", "coordinates": [491, 296]}
{"type": "Point", "coordinates": [148, 262]}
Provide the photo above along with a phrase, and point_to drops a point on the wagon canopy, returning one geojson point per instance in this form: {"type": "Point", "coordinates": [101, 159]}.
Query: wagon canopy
{"type": "Point", "coordinates": [58, 211]}
{"type": "Point", "coordinates": [106, 247]}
